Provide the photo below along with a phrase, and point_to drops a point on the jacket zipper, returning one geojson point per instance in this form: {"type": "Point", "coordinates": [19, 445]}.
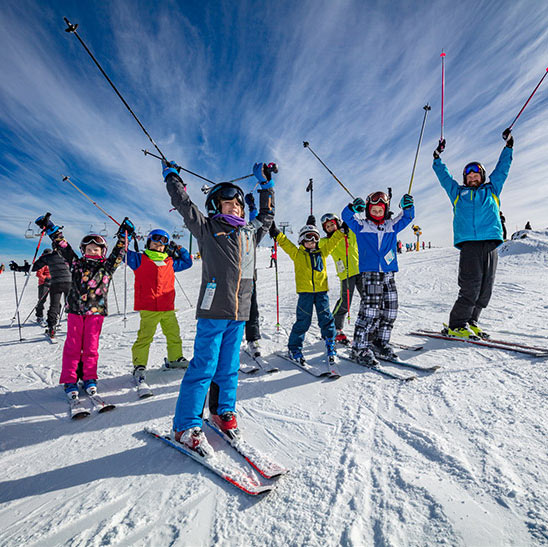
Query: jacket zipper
{"type": "Point", "coordinates": [239, 274]}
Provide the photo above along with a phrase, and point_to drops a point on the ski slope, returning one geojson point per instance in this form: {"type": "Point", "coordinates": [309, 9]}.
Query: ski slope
{"type": "Point", "coordinates": [457, 457]}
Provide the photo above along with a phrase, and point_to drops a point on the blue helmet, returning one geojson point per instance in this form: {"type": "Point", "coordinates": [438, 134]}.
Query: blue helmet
{"type": "Point", "coordinates": [158, 235]}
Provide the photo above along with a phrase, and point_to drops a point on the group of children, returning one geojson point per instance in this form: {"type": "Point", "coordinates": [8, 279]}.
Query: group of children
{"type": "Point", "coordinates": [362, 243]}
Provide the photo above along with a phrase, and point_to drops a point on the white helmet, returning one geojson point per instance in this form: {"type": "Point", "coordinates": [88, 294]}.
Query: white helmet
{"type": "Point", "coordinates": [307, 233]}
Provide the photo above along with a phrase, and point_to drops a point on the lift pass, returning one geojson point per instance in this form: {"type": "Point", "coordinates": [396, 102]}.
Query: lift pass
{"type": "Point", "coordinates": [209, 293]}
{"type": "Point", "coordinates": [389, 257]}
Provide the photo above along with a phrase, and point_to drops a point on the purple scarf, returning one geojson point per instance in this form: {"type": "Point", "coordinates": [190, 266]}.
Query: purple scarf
{"type": "Point", "coordinates": [233, 220]}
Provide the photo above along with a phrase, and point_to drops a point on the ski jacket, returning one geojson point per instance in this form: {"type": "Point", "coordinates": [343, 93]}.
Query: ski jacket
{"type": "Point", "coordinates": [58, 268]}
{"type": "Point", "coordinates": [476, 212]}
{"type": "Point", "coordinates": [155, 280]}
{"type": "Point", "coordinates": [227, 253]}
{"type": "Point", "coordinates": [309, 265]}
{"type": "Point", "coordinates": [378, 243]}
{"type": "Point", "coordinates": [339, 255]}
{"type": "Point", "coordinates": [90, 276]}
{"type": "Point", "coordinates": [43, 276]}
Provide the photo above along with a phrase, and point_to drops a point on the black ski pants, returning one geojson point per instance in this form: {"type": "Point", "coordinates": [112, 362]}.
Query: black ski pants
{"type": "Point", "coordinates": [252, 330]}
{"type": "Point", "coordinates": [341, 307]}
{"type": "Point", "coordinates": [477, 268]}
{"type": "Point", "coordinates": [56, 291]}
{"type": "Point", "coordinates": [42, 297]}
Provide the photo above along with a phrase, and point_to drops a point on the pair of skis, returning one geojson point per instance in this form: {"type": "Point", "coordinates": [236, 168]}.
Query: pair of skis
{"type": "Point", "coordinates": [246, 482]}
{"type": "Point", "coordinates": [78, 410]}
{"type": "Point", "coordinates": [328, 369]}
{"type": "Point", "coordinates": [259, 364]}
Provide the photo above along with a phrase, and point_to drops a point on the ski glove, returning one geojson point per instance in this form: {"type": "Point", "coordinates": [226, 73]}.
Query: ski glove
{"type": "Point", "coordinates": [173, 250]}
{"type": "Point", "coordinates": [126, 226]}
{"type": "Point", "coordinates": [311, 220]}
{"type": "Point", "coordinates": [357, 206]}
{"type": "Point", "coordinates": [46, 224]}
{"type": "Point", "coordinates": [250, 200]}
{"type": "Point", "coordinates": [345, 229]}
{"type": "Point", "coordinates": [263, 173]}
{"type": "Point", "coordinates": [169, 167]}
{"type": "Point", "coordinates": [507, 136]}
{"type": "Point", "coordinates": [439, 149]}
{"type": "Point", "coordinates": [406, 201]}
{"type": "Point", "coordinates": [273, 232]}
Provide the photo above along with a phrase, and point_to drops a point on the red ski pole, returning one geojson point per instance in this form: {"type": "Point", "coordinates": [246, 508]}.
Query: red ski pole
{"type": "Point", "coordinates": [277, 289]}
{"type": "Point", "coordinates": [442, 55]}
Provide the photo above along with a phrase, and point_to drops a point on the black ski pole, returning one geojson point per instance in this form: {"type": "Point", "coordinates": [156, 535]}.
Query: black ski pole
{"type": "Point", "coordinates": [43, 299]}
{"type": "Point", "coordinates": [310, 188]}
{"type": "Point", "coordinates": [181, 287]}
{"type": "Point", "coordinates": [17, 306]}
{"type": "Point", "coordinates": [426, 109]}
{"type": "Point", "coordinates": [115, 295]}
{"type": "Point", "coordinates": [71, 29]}
{"type": "Point", "coordinates": [179, 168]}
{"type": "Point", "coordinates": [307, 145]}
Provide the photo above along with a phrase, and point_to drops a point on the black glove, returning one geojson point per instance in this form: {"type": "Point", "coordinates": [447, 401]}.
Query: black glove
{"type": "Point", "coordinates": [439, 149]}
{"type": "Point", "coordinates": [344, 228]}
{"type": "Point", "coordinates": [250, 200]}
{"type": "Point", "coordinates": [126, 226]}
{"type": "Point", "coordinates": [311, 220]}
{"type": "Point", "coordinates": [357, 206]}
{"type": "Point", "coordinates": [273, 232]}
{"type": "Point", "coordinates": [507, 136]}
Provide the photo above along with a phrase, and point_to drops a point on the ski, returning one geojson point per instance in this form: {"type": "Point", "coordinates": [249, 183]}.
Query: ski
{"type": "Point", "coordinates": [433, 368]}
{"type": "Point", "coordinates": [144, 391]}
{"type": "Point", "coordinates": [261, 363]}
{"type": "Point", "coordinates": [50, 339]}
{"type": "Point", "coordinates": [260, 462]}
{"type": "Point", "coordinates": [407, 347]}
{"type": "Point", "coordinates": [100, 404]}
{"type": "Point", "coordinates": [527, 350]}
{"type": "Point", "coordinates": [230, 474]}
{"type": "Point", "coordinates": [380, 370]}
{"type": "Point", "coordinates": [77, 409]}
{"type": "Point", "coordinates": [315, 371]}
{"type": "Point", "coordinates": [331, 367]}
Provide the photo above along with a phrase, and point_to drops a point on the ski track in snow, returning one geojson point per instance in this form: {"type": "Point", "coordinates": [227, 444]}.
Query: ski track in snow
{"type": "Point", "coordinates": [457, 457]}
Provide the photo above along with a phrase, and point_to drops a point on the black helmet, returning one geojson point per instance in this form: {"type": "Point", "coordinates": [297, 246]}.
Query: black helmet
{"type": "Point", "coordinates": [374, 199]}
{"type": "Point", "coordinates": [47, 251]}
{"type": "Point", "coordinates": [473, 167]}
{"type": "Point", "coordinates": [223, 191]}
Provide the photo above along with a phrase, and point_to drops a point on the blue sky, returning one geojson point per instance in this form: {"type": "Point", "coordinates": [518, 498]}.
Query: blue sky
{"type": "Point", "coordinates": [220, 85]}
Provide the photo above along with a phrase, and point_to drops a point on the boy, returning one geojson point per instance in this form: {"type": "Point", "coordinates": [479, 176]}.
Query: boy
{"type": "Point", "coordinates": [477, 232]}
{"type": "Point", "coordinates": [377, 244]}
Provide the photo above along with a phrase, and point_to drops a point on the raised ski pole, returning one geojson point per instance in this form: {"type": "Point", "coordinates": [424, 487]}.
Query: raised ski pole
{"type": "Point", "coordinates": [442, 55]}
{"type": "Point", "coordinates": [507, 131]}
{"type": "Point", "coordinates": [16, 314]}
{"type": "Point", "coordinates": [426, 109]}
{"type": "Point", "coordinates": [67, 179]}
{"type": "Point", "coordinates": [310, 188]}
{"type": "Point", "coordinates": [306, 144]}
{"type": "Point", "coordinates": [147, 153]}
{"type": "Point", "coordinates": [71, 29]}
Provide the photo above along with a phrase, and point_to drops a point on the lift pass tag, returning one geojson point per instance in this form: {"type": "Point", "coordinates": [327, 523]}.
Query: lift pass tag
{"type": "Point", "coordinates": [209, 293]}
{"type": "Point", "coordinates": [340, 266]}
{"type": "Point", "coordinates": [389, 256]}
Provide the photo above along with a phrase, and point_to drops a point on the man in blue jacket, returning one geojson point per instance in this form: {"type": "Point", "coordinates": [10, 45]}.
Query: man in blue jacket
{"type": "Point", "coordinates": [477, 232]}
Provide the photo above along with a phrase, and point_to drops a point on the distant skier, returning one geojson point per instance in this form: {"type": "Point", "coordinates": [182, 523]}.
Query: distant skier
{"type": "Point", "coordinates": [227, 246]}
{"type": "Point", "coordinates": [503, 224]}
{"type": "Point", "coordinates": [311, 283]}
{"type": "Point", "coordinates": [528, 226]}
{"type": "Point", "coordinates": [44, 279]}
{"type": "Point", "coordinates": [87, 301]}
{"type": "Point", "coordinates": [154, 298]}
{"type": "Point", "coordinates": [59, 286]}
{"type": "Point", "coordinates": [377, 244]}
{"type": "Point", "coordinates": [477, 232]}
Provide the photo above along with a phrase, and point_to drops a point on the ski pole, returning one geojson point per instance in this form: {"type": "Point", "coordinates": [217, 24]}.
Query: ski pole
{"type": "Point", "coordinates": [147, 153]}
{"type": "Point", "coordinates": [17, 300]}
{"type": "Point", "coordinates": [277, 288]}
{"type": "Point", "coordinates": [442, 55]}
{"type": "Point", "coordinates": [115, 296]}
{"type": "Point", "coordinates": [307, 145]}
{"type": "Point", "coordinates": [16, 314]}
{"type": "Point", "coordinates": [125, 281]}
{"type": "Point", "coordinates": [426, 109]}
{"type": "Point", "coordinates": [181, 287]}
{"type": "Point", "coordinates": [507, 131]}
{"type": "Point", "coordinates": [310, 188]}
{"type": "Point", "coordinates": [347, 279]}
{"type": "Point", "coordinates": [66, 178]}
{"type": "Point", "coordinates": [71, 29]}
{"type": "Point", "coordinates": [43, 299]}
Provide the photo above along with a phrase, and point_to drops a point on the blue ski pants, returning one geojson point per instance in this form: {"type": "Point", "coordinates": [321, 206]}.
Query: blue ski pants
{"type": "Point", "coordinates": [216, 359]}
{"type": "Point", "coordinates": [305, 306]}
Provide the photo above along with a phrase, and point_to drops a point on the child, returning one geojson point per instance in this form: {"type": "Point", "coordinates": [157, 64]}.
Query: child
{"type": "Point", "coordinates": [154, 298]}
{"type": "Point", "coordinates": [44, 279]}
{"type": "Point", "coordinates": [312, 288]}
{"type": "Point", "coordinates": [377, 244]}
{"type": "Point", "coordinates": [227, 247]}
{"type": "Point", "coordinates": [477, 232]}
{"type": "Point", "coordinates": [86, 302]}
{"type": "Point", "coordinates": [346, 258]}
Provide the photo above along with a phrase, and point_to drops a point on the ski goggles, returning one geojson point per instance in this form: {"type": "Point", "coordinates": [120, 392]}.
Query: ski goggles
{"type": "Point", "coordinates": [378, 197]}
{"type": "Point", "coordinates": [229, 192]}
{"type": "Point", "coordinates": [327, 217]}
{"type": "Point", "coordinates": [472, 168]}
{"type": "Point", "coordinates": [159, 238]}
{"type": "Point", "coordinates": [93, 238]}
{"type": "Point", "coordinates": [310, 236]}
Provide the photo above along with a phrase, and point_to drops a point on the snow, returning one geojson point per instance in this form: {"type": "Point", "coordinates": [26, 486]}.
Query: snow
{"type": "Point", "coordinates": [457, 457]}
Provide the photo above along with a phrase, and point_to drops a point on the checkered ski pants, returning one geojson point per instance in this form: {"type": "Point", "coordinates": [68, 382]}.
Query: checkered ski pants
{"type": "Point", "coordinates": [378, 310]}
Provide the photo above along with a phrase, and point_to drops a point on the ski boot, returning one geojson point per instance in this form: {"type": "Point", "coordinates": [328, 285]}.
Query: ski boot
{"type": "Point", "coordinates": [50, 333]}
{"type": "Point", "coordinates": [296, 355]}
{"type": "Point", "coordinates": [227, 423]}
{"type": "Point", "coordinates": [478, 331]}
{"type": "Point", "coordinates": [253, 348]}
{"type": "Point", "coordinates": [384, 351]}
{"type": "Point", "coordinates": [90, 387]}
{"type": "Point", "coordinates": [342, 339]}
{"type": "Point", "coordinates": [71, 391]}
{"type": "Point", "coordinates": [459, 332]}
{"type": "Point", "coordinates": [194, 439]}
{"type": "Point", "coordinates": [330, 349]}
{"type": "Point", "coordinates": [181, 362]}
{"type": "Point", "coordinates": [365, 357]}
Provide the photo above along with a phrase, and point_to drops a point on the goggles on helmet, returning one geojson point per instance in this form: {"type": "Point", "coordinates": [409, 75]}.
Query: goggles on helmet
{"type": "Point", "coordinates": [159, 238]}
{"type": "Point", "coordinates": [310, 236]}
{"type": "Point", "coordinates": [472, 168]}
{"type": "Point", "coordinates": [327, 217]}
{"type": "Point", "coordinates": [93, 238]}
{"type": "Point", "coordinates": [228, 192]}
{"type": "Point", "coordinates": [378, 197]}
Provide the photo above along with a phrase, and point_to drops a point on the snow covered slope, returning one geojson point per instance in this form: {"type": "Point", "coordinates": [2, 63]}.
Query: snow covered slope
{"type": "Point", "coordinates": [457, 457]}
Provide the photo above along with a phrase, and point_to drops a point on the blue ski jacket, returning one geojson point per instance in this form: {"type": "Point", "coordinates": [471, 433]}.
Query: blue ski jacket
{"type": "Point", "coordinates": [476, 212]}
{"type": "Point", "coordinates": [378, 244]}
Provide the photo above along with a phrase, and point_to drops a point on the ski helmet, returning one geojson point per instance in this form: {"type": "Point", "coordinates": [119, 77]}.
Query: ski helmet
{"type": "Point", "coordinates": [223, 191]}
{"type": "Point", "coordinates": [377, 198]}
{"type": "Point", "coordinates": [158, 235]}
{"type": "Point", "coordinates": [473, 167]}
{"type": "Point", "coordinates": [330, 216]}
{"type": "Point", "coordinates": [308, 233]}
{"type": "Point", "coordinates": [47, 251]}
{"type": "Point", "coordinates": [94, 238]}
